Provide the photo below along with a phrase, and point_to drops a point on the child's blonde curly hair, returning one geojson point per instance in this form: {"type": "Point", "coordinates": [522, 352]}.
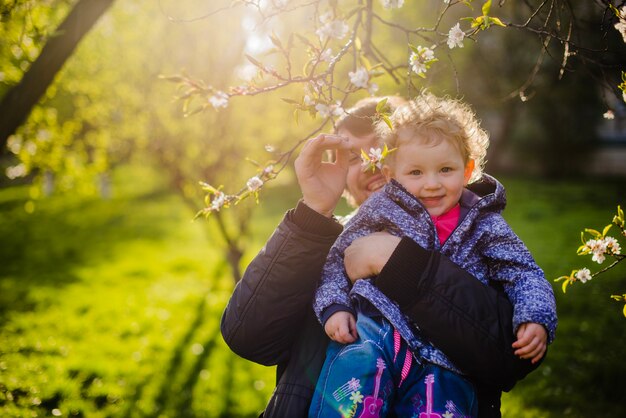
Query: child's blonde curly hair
{"type": "Point", "coordinates": [432, 119]}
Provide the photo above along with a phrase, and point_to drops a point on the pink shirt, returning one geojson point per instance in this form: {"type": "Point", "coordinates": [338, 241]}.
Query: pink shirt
{"type": "Point", "coordinates": [446, 223]}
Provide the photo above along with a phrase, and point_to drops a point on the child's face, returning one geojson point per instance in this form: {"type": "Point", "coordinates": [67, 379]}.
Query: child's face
{"type": "Point", "coordinates": [434, 173]}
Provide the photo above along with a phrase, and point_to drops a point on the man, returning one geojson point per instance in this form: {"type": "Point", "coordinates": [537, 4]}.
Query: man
{"type": "Point", "coordinates": [269, 318]}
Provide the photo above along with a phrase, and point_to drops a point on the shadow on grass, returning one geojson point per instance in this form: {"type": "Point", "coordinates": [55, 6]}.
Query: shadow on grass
{"type": "Point", "coordinates": [43, 249]}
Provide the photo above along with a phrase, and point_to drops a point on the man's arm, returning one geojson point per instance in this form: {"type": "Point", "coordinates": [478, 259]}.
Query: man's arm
{"type": "Point", "coordinates": [266, 309]}
{"type": "Point", "coordinates": [466, 319]}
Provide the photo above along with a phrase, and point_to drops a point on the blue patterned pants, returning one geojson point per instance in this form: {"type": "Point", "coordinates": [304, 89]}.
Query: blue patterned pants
{"type": "Point", "coordinates": [376, 376]}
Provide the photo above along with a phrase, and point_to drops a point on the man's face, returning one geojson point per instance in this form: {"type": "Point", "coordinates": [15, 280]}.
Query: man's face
{"type": "Point", "coordinates": [361, 184]}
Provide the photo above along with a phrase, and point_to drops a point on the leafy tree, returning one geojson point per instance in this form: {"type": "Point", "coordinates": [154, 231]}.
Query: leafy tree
{"type": "Point", "coordinates": [106, 106]}
{"type": "Point", "coordinates": [17, 103]}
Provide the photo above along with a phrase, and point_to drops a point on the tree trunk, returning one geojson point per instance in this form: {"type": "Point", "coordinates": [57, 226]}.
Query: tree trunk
{"type": "Point", "coordinates": [19, 101]}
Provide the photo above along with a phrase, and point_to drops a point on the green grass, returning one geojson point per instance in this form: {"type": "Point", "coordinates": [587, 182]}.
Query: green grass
{"type": "Point", "coordinates": [111, 308]}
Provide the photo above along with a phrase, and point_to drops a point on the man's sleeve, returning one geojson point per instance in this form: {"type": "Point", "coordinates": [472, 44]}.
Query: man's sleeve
{"type": "Point", "coordinates": [264, 313]}
{"type": "Point", "coordinates": [466, 319]}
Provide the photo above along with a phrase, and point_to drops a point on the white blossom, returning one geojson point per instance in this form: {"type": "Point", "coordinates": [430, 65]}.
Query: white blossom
{"type": "Point", "coordinates": [219, 100]}
{"type": "Point", "coordinates": [609, 115]}
{"type": "Point", "coordinates": [307, 100]}
{"type": "Point", "coordinates": [456, 36]}
{"type": "Point", "coordinates": [327, 55]}
{"type": "Point", "coordinates": [419, 61]}
{"type": "Point", "coordinates": [326, 111]}
{"type": "Point", "coordinates": [375, 158]}
{"type": "Point", "coordinates": [254, 184]}
{"type": "Point", "coordinates": [14, 144]}
{"type": "Point", "coordinates": [372, 89]}
{"type": "Point", "coordinates": [218, 201]}
{"type": "Point", "coordinates": [360, 77]}
{"type": "Point", "coordinates": [613, 245]}
{"type": "Point", "coordinates": [620, 26]}
{"type": "Point", "coordinates": [16, 171]}
{"type": "Point", "coordinates": [392, 4]}
{"type": "Point", "coordinates": [334, 29]}
{"type": "Point", "coordinates": [583, 275]}
{"type": "Point", "coordinates": [598, 248]}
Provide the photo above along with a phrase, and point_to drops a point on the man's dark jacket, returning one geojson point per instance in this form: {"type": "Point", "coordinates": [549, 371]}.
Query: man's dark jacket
{"type": "Point", "coordinates": [269, 318]}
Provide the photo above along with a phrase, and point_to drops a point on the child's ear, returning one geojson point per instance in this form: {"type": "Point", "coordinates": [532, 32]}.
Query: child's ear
{"type": "Point", "coordinates": [469, 169]}
{"type": "Point", "coordinates": [386, 172]}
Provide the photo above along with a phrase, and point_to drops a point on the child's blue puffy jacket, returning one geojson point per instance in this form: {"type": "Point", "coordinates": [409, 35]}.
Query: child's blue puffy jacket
{"type": "Point", "coordinates": [483, 244]}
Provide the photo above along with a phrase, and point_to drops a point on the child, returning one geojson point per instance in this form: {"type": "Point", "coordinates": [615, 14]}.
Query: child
{"type": "Point", "coordinates": [390, 368]}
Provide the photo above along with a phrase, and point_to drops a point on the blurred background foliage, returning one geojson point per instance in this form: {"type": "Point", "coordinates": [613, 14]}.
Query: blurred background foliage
{"type": "Point", "coordinates": [110, 297]}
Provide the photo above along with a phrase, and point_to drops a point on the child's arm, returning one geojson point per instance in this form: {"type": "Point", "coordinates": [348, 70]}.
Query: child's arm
{"type": "Point", "coordinates": [532, 341]}
{"type": "Point", "coordinates": [333, 292]}
{"type": "Point", "coordinates": [524, 282]}
{"type": "Point", "coordinates": [341, 327]}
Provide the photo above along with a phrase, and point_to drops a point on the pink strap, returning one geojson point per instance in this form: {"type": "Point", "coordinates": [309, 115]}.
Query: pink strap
{"type": "Point", "coordinates": [396, 344]}
{"type": "Point", "coordinates": [408, 357]}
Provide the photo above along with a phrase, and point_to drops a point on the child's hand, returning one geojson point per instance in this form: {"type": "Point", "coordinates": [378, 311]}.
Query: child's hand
{"type": "Point", "coordinates": [341, 327]}
{"type": "Point", "coordinates": [532, 341]}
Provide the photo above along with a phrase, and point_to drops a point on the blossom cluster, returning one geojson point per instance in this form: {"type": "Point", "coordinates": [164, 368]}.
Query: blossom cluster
{"type": "Point", "coordinates": [599, 248]}
{"type": "Point", "coordinates": [216, 199]}
{"type": "Point", "coordinates": [219, 100]}
{"type": "Point", "coordinates": [420, 59]}
{"type": "Point", "coordinates": [331, 28]}
{"type": "Point", "coordinates": [374, 159]}
{"type": "Point", "coordinates": [455, 36]}
{"type": "Point", "coordinates": [392, 4]}
{"type": "Point", "coordinates": [361, 79]}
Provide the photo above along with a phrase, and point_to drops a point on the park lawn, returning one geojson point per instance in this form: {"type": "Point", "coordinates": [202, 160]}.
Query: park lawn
{"type": "Point", "coordinates": [110, 308]}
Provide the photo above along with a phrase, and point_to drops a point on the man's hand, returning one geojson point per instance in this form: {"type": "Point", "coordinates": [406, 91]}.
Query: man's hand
{"type": "Point", "coordinates": [532, 341]}
{"type": "Point", "coordinates": [367, 255]}
{"type": "Point", "coordinates": [322, 183]}
{"type": "Point", "coordinates": [341, 327]}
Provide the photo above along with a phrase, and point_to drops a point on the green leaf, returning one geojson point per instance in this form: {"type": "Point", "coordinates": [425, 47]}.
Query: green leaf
{"type": "Point", "coordinates": [255, 62]}
{"type": "Point", "coordinates": [381, 105]}
{"type": "Point", "coordinates": [496, 21]}
{"type": "Point", "coordinates": [593, 232]}
{"type": "Point", "coordinates": [479, 21]}
{"type": "Point", "coordinates": [276, 41]}
{"type": "Point", "coordinates": [386, 119]}
{"type": "Point", "coordinates": [486, 8]}
{"type": "Point", "coordinates": [172, 78]}
{"type": "Point", "coordinates": [606, 229]}
{"type": "Point", "coordinates": [468, 3]}
{"type": "Point", "coordinates": [290, 101]}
